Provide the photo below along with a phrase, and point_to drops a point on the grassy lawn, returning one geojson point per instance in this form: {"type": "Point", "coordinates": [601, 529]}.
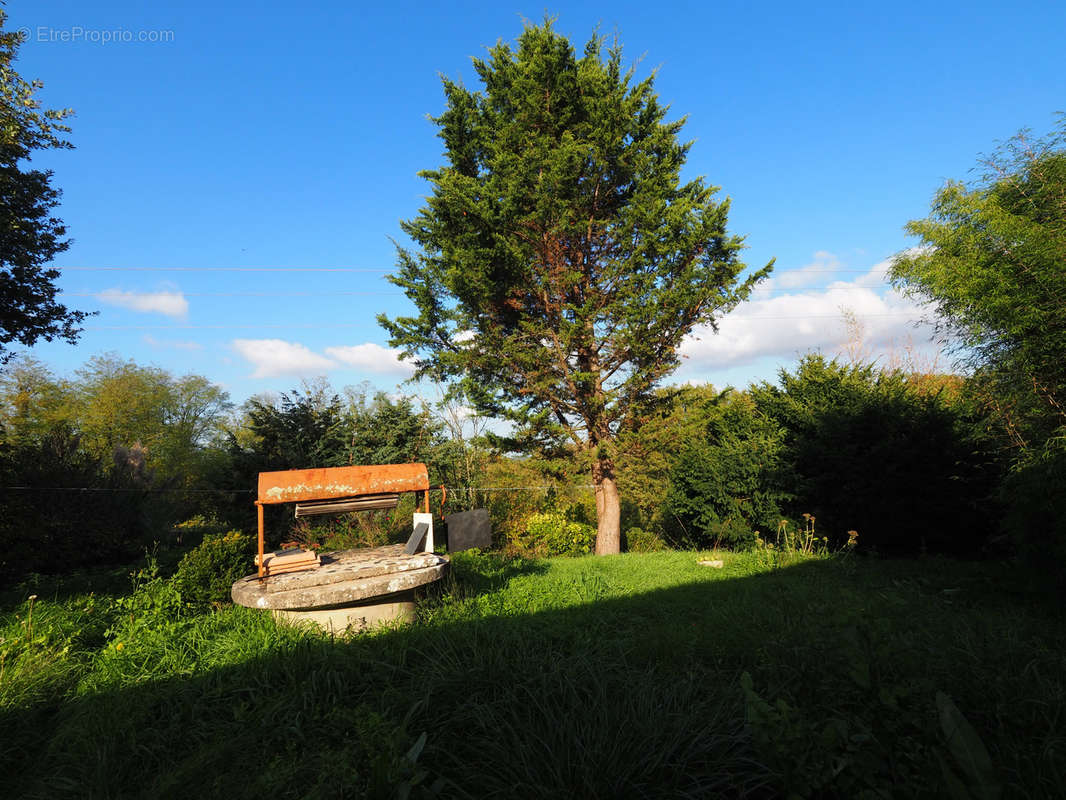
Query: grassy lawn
{"type": "Point", "coordinates": [624, 676]}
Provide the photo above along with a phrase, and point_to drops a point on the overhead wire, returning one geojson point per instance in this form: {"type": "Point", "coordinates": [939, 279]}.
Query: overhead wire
{"type": "Point", "coordinates": [454, 489]}
{"type": "Point", "coordinates": [328, 325]}
{"type": "Point", "coordinates": [377, 270]}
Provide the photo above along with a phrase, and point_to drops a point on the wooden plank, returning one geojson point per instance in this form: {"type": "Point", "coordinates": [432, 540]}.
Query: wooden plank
{"type": "Point", "coordinates": [289, 568]}
{"type": "Point", "coordinates": [346, 506]}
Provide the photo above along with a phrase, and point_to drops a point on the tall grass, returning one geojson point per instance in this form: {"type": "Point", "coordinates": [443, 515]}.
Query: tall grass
{"type": "Point", "coordinates": [586, 677]}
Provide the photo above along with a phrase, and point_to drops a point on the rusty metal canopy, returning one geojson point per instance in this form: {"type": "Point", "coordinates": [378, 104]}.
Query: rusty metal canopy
{"type": "Point", "coordinates": [327, 483]}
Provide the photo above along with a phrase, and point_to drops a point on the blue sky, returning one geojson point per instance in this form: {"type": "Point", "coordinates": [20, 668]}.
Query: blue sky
{"type": "Point", "coordinates": [266, 134]}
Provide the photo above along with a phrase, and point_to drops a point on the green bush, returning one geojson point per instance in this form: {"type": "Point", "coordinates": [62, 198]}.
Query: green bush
{"type": "Point", "coordinates": [724, 487]}
{"type": "Point", "coordinates": [207, 572]}
{"type": "Point", "coordinates": [638, 540]}
{"type": "Point", "coordinates": [49, 527]}
{"type": "Point", "coordinates": [552, 534]}
{"type": "Point", "coordinates": [1035, 518]}
{"type": "Point", "coordinates": [911, 469]}
{"type": "Point", "coordinates": [870, 453]}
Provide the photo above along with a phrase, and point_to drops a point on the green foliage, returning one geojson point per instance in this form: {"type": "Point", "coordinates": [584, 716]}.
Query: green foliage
{"type": "Point", "coordinates": [979, 779]}
{"type": "Point", "coordinates": [550, 678]}
{"type": "Point", "coordinates": [555, 490]}
{"type": "Point", "coordinates": [552, 534]}
{"type": "Point", "coordinates": [118, 406]}
{"type": "Point", "coordinates": [1034, 494]}
{"type": "Point", "coordinates": [154, 603]}
{"type": "Point", "coordinates": [115, 406]}
{"type": "Point", "coordinates": [71, 511]}
{"type": "Point", "coordinates": [560, 259]}
{"type": "Point", "coordinates": [638, 540]}
{"type": "Point", "coordinates": [32, 237]}
{"type": "Point", "coordinates": [388, 430]}
{"type": "Point", "coordinates": [104, 460]}
{"type": "Point", "coordinates": [903, 468]}
{"type": "Point", "coordinates": [317, 428]}
{"type": "Point", "coordinates": [907, 465]}
{"type": "Point", "coordinates": [991, 260]}
{"type": "Point", "coordinates": [300, 431]}
{"type": "Point", "coordinates": [730, 482]}
{"type": "Point", "coordinates": [649, 450]}
{"type": "Point", "coordinates": [33, 402]}
{"type": "Point", "coordinates": [207, 572]}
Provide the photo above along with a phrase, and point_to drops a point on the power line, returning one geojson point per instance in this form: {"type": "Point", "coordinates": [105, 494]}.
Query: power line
{"type": "Point", "coordinates": [450, 489]}
{"type": "Point", "coordinates": [281, 293]}
{"type": "Point", "coordinates": [331, 325]}
{"type": "Point", "coordinates": [510, 488]}
{"type": "Point", "coordinates": [257, 326]}
{"type": "Point", "coordinates": [111, 489]}
{"type": "Point", "coordinates": [377, 270]}
{"type": "Point", "coordinates": [244, 294]}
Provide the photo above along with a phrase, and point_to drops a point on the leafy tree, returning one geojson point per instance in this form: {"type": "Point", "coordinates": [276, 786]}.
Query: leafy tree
{"type": "Point", "coordinates": [299, 431]}
{"type": "Point", "coordinates": [560, 259]}
{"type": "Point", "coordinates": [32, 400]}
{"type": "Point", "coordinates": [30, 236]}
{"type": "Point", "coordinates": [387, 431]}
{"type": "Point", "coordinates": [731, 480]}
{"type": "Point", "coordinates": [648, 453]}
{"type": "Point", "coordinates": [316, 428]}
{"type": "Point", "coordinates": [992, 259]}
{"type": "Point", "coordinates": [121, 431]}
{"type": "Point", "coordinates": [119, 404]}
{"type": "Point", "coordinates": [194, 429]}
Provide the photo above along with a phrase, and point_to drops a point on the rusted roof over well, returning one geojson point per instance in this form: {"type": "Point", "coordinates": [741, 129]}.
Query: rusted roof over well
{"type": "Point", "coordinates": [298, 485]}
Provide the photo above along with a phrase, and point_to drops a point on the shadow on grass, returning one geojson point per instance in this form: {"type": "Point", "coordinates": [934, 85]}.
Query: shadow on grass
{"type": "Point", "coordinates": [110, 581]}
{"type": "Point", "coordinates": [620, 696]}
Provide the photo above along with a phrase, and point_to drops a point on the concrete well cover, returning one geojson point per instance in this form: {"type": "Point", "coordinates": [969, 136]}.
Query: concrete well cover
{"type": "Point", "coordinates": [344, 577]}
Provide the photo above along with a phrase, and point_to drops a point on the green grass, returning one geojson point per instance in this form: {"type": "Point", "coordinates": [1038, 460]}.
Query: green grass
{"type": "Point", "coordinates": [626, 676]}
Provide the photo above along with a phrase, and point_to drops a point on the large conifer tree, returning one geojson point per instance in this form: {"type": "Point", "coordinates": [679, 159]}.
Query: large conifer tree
{"type": "Point", "coordinates": [30, 236]}
{"type": "Point", "coordinates": [560, 260]}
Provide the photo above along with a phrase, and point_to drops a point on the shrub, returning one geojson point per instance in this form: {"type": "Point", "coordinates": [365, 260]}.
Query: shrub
{"type": "Point", "coordinates": [552, 534]}
{"type": "Point", "coordinates": [49, 526]}
{"type": "Point", "coordinates": [207, 572]}
{"type": "Point", "coordinates": [638, 540]}
{"type": "Point", "coordinates": [870, 453]}
{"type": "Point", "coordinates": [732, 482]}
{"type": "Point", "coordinates": [1035, 518]}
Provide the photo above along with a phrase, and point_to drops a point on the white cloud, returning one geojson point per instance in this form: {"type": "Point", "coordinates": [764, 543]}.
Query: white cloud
{"type": "Point", "coordinates": [273, 357]}
{"type": "Point", "coordinates": [818, 271]}
{"type": "Point", "coordinates": [372, 358]}
{"type": "Point", "coordinates": [786, 325]}
{"type": "Point", "coordinates": [172, 304]}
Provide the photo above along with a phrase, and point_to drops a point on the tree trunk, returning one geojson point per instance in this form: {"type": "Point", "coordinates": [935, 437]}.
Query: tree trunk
{"type": "Point", "coordinates": [608, 509]}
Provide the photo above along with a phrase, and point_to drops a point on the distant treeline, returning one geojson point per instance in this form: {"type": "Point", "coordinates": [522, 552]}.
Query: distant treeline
{"type": "Point", "coordinates": [97, 468]}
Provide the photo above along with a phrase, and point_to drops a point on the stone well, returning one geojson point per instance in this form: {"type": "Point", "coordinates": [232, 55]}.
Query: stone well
{"type": "Point", "coordinates": [349, 590]}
